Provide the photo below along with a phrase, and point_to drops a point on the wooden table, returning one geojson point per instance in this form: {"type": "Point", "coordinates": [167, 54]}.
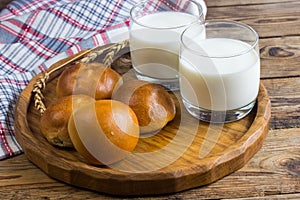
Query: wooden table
{"type": "Point", "coordinates": [274, 172]}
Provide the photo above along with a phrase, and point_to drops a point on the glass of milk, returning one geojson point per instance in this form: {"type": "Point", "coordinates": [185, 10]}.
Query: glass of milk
{"type": "Point", "coordinates": [155, 29]}
{"type": "Point", "coordinates": [219, 73]}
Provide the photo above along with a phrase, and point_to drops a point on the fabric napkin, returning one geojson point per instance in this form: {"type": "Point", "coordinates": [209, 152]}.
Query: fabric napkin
{"type": "Point", "coordinates": [36, 33]}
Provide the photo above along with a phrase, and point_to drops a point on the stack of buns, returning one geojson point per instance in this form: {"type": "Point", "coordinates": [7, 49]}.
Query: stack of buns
{"type": "Point", "coordinates": [102, 117]}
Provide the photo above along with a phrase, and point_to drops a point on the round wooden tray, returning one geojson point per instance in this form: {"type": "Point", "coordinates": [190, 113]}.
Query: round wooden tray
{"type": "Point", "coordinates": [187, 153]}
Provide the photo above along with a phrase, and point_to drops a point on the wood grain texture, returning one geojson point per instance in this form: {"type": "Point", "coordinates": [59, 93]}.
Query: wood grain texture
{"type": "Point", "coordinates": [185, 154]}
{"type": "Point", "coordinates": [274, 26]}
{"type": "Point", "coordinates": [260, 10]}
{"type": "Point", "coordinates": [285, 98]}
{"type": "Point", "coordinates": [280, 57]}
{"type": "Point", "coordinates": [272, 173]}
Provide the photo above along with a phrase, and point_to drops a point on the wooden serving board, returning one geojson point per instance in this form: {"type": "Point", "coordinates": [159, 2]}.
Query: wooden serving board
{"type": "Point", "coordinates": [187, 153]}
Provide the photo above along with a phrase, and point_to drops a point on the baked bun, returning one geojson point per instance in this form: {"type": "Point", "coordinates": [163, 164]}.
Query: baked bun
{"type": "Point", "coordinates": [152, 104]}
{"type": "Point", "coordinates": [92, 79]}
{"type": "Point", "coordinates": [54, 121]}
{"type": "Point", "coordinates": [104, 132]}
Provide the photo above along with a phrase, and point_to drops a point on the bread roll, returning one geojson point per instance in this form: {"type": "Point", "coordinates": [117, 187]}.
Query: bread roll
{"type": "Point", "coordinates": [91, 79]}
{"type": "Point", "coordinates": [104, 132]}
{"type": "Point", "coordinates": [152, 104]}
{"type": "Point", "coordinates": [54, 121]}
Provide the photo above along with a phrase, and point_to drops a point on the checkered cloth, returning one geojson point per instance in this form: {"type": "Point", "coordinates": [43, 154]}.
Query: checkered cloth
{"type": "Point", "coordinates": [36, 33]}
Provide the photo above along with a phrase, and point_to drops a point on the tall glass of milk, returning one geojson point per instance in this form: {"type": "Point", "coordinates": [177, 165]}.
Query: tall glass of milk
{"type": "Point", "coordinates": [219, 73]}
{"type": "Point", "coordinates": [155, 29]}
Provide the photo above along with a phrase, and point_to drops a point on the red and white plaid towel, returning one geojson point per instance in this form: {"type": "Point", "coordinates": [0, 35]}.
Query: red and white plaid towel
{"type": "Point", "coordinates": [36, 33]}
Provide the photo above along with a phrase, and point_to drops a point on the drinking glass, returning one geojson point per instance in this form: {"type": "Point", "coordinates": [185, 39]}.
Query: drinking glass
{"type": "Point", "coordinates": [155, 30]}
{"type": "Point", "coordinates": [219, 73]}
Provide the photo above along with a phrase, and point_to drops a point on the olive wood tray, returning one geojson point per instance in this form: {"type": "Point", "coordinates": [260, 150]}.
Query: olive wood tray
{"type": "Point", "coordinates": [185, 154]}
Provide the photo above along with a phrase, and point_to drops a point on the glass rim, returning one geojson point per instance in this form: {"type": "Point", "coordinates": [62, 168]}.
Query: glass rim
{"type": "Point", "coordinates": [141, 5]}
{"type": "Point", "coordinates": [216, 21]}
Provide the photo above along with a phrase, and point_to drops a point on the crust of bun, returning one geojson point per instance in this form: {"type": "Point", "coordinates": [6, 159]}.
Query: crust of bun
{"type": "Point", "coordinates": [54, 121]}
{"type": "Point", "coordinates": [152, 104]}
{"type": "Point", "coordinates": [104, 132]}
{"type": "Point", "coordinates": [93, 79]}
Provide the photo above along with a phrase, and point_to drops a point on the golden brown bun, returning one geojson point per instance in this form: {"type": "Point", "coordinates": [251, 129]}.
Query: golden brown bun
{"type": "Point", "coordinates": [54, 121]}
{"type": "Point", "coordinates": [91, 79]}
{"type": "Point", "coordinates": [152, 104]}
{"type": "Point", "coordinates": [104, 132]}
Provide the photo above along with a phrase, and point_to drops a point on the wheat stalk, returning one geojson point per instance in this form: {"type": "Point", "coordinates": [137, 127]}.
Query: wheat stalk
{"type": "Point", "coordinates": [108, 59]}
{"type": "Point", "coordinates": [91, 55]}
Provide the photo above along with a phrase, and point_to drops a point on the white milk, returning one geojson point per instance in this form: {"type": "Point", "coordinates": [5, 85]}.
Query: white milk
{"type": "Point", "coordinates": [154, 51]}
{"type": "Point", "coordinates": [220, 83]}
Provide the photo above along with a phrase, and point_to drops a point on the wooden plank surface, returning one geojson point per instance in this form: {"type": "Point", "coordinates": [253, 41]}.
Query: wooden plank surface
{"type": "Point", "coordinates": [254, 10]}
{"type": "Point", "coordinates": [280, 57]}
{"type": "Point", "coordinates": [265, 25]}
{"type": "Point", "coordinates": [285, 99]}
{"type": "Point", "coordinates": [274, 172]}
